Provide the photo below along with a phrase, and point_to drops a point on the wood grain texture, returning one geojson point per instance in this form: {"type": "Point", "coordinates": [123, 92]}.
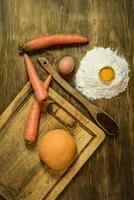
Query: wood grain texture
{"type": "Point", "coordinates": [107, 23]}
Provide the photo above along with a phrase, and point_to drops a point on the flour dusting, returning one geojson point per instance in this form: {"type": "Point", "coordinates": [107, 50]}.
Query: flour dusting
{"type": "Point", "coordinates": [87, 80]}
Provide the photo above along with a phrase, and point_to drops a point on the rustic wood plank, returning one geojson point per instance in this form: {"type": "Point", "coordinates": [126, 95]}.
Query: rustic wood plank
{"type": "Point", "coordinates": [107, 23]}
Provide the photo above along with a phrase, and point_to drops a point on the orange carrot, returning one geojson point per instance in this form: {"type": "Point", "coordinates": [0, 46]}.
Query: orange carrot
{"type": "Point", "coordinates": [36, 83]}
{"type": "Point", "coordinates": [30, 132]}
{"type": "Point", "coordinates": [47, 82]}
{"type": "Point", "coordinates": [51, 40]}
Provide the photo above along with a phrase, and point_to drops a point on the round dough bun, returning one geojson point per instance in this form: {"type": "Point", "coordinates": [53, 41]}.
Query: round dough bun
{"type": "Point", "coordinates": [57, 149]}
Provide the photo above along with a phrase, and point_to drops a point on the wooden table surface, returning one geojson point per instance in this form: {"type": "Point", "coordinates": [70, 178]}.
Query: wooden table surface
{"type": "Point", "coordinates": [109, 174]}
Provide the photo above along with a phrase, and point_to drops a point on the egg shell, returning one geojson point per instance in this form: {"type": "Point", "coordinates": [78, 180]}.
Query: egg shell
{"type": "Point", "coordinates": [66, 65]}
{"type": "Point", "coordinates": [57, 149]}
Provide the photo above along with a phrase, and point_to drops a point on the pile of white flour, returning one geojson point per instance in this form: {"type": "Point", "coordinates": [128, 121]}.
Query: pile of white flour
{"type": "Point", "coordinates": [87, 80]}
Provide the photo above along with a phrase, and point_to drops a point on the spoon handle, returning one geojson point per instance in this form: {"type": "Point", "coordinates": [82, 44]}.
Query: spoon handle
{"type": "Point", "coordinates": [104, 120]}
{"type": "Point", "coordinates": [101, 117]}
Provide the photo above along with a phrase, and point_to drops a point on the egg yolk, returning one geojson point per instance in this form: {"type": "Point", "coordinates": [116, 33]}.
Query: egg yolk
{"type": "Point", "coordinates": [106, 74]}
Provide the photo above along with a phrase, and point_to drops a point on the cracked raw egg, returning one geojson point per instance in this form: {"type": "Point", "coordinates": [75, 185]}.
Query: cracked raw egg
{"type": "Point", "coordinates": [107, 74]}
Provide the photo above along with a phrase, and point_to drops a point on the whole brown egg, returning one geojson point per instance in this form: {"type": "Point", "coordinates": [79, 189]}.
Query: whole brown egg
{"type": "Point", "coordinates": [66, 65]}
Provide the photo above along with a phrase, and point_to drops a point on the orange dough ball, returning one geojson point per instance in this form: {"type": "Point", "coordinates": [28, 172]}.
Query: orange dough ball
{"type": "Point", "coordinates": [57, 149]}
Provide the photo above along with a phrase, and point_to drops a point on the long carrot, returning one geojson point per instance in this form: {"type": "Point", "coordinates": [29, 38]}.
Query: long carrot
{"type": "Point", "coordinates": [36, 83]}
{"type": "Point", "coordinates": [51, 40]}
{"type": "Point", "coordinates": [30, 133]}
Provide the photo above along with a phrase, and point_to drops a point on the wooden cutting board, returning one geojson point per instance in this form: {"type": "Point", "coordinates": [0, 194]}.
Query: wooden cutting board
{"type": "Point", "coordinates": [22, 175]}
